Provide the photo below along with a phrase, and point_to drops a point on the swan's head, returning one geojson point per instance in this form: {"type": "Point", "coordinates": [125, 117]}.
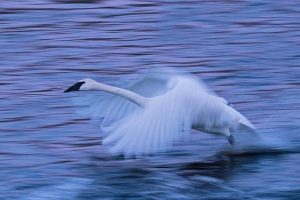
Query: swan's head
{"type": "Point", "coordinates": [84, 84]}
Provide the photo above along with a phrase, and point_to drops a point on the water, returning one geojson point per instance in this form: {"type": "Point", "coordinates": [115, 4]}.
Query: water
{"type": "Point", "coordinates": [247, 51]}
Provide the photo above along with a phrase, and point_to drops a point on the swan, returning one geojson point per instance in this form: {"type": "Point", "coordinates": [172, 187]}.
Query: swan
{"type": "Point", "coordinates": [160, 109]}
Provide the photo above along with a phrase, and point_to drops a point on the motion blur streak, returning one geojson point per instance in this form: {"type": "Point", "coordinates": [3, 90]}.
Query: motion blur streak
{"type": "Point", "coordinates": [247, 51]}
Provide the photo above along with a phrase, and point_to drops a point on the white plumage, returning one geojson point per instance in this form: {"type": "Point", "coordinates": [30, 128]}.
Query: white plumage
{"type": "Point", "coordinates": [158, 110]}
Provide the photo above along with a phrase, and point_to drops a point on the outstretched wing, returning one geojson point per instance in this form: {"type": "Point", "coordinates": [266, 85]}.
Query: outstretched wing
{"type": "Point", "coordinates": [165, 119]}
{"type": "Point", "coordinates": [151, 130]}
{"type": "Point", "coordinates": [151, 84]}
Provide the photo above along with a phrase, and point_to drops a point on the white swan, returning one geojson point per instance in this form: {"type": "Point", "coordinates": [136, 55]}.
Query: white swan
{"type": "Point", "coordinates": [160, 109]}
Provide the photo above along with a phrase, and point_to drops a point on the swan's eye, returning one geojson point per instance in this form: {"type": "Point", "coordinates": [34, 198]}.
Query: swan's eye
{"type": "Point", "coordinates": [75, 87]}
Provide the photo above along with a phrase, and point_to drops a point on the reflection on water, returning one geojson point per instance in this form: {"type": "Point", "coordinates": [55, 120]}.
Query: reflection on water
{"type": "Point", "coordinates": [248, 51]}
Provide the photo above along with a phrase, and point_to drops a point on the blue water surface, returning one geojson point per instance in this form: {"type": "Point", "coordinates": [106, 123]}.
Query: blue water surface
{"type": "Point", "coordinates": [247, 51]}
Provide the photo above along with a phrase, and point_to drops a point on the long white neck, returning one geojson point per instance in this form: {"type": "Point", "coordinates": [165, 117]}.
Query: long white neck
{"type": "Point", "coordinates": [131, 96]}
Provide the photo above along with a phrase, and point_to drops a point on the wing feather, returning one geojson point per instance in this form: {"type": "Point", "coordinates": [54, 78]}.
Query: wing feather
{"type": "Point", "coordinates": [165, 120]}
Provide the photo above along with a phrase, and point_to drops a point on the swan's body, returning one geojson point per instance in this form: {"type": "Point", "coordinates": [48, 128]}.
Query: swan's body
{"type": "Point", "coordinates": [166, 108]}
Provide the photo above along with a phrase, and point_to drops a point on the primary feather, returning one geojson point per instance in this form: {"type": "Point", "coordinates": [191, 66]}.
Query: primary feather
{"type": "Point", "coordinates": [164, 120]}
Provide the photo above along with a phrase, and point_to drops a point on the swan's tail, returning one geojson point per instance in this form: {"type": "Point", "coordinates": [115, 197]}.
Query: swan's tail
{"type": "Point", "coordinates": [247, 124]}
{"type": "Point", "coordinates": [244, 123]}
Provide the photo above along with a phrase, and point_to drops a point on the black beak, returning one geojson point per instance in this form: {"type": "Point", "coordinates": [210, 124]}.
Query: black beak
{"type": "Point", "coordinates": [75, 87]}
